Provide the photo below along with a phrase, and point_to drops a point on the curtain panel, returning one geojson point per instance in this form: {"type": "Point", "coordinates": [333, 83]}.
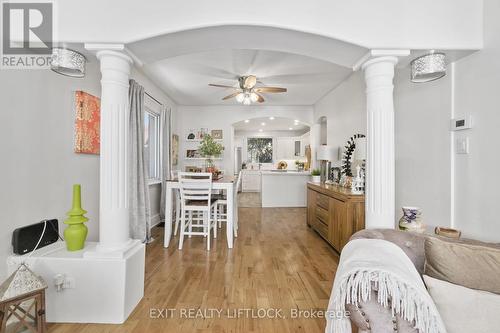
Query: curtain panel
{"type": "Point", "coordinates": [166, 151]}
{"type": "Point", "coordinates": [138, 193]}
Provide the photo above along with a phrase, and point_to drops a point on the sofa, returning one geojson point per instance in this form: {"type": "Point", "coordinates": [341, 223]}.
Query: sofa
{"type": "Point", "coordinates": [374, 318]}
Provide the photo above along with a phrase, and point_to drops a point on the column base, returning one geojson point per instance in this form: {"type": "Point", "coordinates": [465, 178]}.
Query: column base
{"type": "Point", "coordinates": [96, 290]}
{"type": "Point", "coordinates": [102, 251]}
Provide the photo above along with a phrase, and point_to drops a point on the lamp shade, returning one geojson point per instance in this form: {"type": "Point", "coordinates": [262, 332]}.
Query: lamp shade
{"type": "Point", "coordinates": [428, 67]}
{"type": "Point", "coordinates": [360, 151]}
{"type": "Point", "coordinates": [326, 153]}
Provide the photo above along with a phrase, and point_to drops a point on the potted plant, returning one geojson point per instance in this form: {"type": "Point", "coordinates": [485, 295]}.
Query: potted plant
{"type": "Point", "coordinates": [316, 176]}
{"type": "Point", "coordinates": [210, 150]}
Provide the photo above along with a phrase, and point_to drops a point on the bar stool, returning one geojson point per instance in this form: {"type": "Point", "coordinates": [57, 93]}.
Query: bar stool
{"type": "Point", "coordinates": [221, 209]}
{"type": "Point", "coordinates": [196, 191]}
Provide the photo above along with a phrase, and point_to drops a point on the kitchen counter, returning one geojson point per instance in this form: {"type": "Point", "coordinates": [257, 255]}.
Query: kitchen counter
{"type": "Point", "coordinates": [286, 172]}
{"type": "Point", "coordinates": [284, 188]}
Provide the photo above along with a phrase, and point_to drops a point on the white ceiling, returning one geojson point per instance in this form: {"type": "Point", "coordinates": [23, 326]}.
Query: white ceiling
{"type": "Point", "coordinates": [185, 78]}
{"type": "Point", "coordinates": [276, 124]}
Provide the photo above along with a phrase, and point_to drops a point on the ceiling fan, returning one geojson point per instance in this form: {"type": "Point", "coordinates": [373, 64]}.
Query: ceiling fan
{"type": "Point", "coordinates": [248, 91]}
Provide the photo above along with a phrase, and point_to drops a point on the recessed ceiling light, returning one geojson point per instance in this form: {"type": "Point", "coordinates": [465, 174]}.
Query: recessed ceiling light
{"type": "Point", "coordinates": [271, 118]}
{"type": "Point", "coordinates": [296, 121]}
{"type": "Point", "coordinates": [247, 121]}
{"type": "Point", "coordinates": [260, 130]}
{"type": "Point", "coordinates": [290, 128]}
{"type": "Point", "coordinates": [263, 124]}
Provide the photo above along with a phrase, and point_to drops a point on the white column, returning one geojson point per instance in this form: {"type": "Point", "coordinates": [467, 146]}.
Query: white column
{"type": "Point", "coordinates": [380, 162]}
{"type": "Point", "coordinates": [113, 199]}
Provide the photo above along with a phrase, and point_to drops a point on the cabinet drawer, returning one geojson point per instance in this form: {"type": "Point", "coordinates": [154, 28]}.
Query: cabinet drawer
{"type": "Point", "coordinates": [322, 201]}
{"type": "Point", "coordinates": [321, 228]}
{"type": "Point", "coordinates": [323, 215]}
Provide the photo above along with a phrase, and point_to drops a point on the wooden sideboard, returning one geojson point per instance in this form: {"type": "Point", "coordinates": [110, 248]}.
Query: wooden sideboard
{"type": "Point", "coordinates": [334, 212]}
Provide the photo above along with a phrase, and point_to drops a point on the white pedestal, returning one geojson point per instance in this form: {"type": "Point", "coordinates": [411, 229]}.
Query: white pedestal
{"type": "Point", "coordinates": [101, 290]}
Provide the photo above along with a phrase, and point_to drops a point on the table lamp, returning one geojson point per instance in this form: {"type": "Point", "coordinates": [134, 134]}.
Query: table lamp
{"type": "Point", "coordinates": [326, 154]}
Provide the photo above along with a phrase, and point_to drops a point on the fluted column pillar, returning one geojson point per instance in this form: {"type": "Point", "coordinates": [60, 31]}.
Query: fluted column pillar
{"type": "Point", "coordinates": [113, 199]}
{"type": "Point", "coordinates": [380, 162]}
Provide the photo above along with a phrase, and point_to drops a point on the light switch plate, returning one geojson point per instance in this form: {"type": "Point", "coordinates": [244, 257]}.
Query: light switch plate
{"type": "Point", "coordinates": [462, 145]}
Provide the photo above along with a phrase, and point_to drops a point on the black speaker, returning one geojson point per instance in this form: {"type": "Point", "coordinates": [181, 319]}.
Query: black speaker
{"type": "Point", "coordinates": [24, 239]}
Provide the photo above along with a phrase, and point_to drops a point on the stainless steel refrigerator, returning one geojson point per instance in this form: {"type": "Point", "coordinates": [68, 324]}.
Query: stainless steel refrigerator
{"type": "Point", "coordinates": [237, 163]}
{"type": "Point", "coordinates": [237, 160]}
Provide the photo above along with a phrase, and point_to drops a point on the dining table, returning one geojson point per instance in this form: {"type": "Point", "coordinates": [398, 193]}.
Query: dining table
{"type": "Point", "coordinates": [226, 183]}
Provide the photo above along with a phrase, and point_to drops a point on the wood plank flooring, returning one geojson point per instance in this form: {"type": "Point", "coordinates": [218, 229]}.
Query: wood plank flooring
{"type": "Point", "coordinates": [277, 263]}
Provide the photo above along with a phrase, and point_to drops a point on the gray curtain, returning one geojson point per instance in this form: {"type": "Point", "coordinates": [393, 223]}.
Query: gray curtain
{"type": "Point", "coordinates": [166, 150]}
{"type": "Point", "coordinates": [138, 195]}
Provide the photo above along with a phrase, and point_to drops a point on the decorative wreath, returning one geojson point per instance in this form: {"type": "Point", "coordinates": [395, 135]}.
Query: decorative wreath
{"type": "Point", "coordinates": [347, 154]}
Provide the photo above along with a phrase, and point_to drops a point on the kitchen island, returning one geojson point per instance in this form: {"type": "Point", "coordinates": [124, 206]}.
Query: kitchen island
{"type": "Point", "coordinates": [284, 188]}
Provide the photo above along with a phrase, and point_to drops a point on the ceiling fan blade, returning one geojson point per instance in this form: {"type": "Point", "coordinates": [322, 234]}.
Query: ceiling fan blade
{"type": "Point", "coordinates": [261, 98]}
{"type": "Point", "coordinates": [220, 86]}
{"type": "Point", "coordinates": [230, 96]}
{"type": "Point", "coordinates": [270, 90]}
{"type": "Point", "coordinates": [250, 82]}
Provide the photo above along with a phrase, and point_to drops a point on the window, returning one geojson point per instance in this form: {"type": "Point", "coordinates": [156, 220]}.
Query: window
{"type": "Point", "coordinates": [260, 150]}
{"type": "Point", "coordinates": [152, 144]}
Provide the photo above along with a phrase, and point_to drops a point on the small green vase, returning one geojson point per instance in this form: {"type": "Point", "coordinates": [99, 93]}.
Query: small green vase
{"type": "Point", "coordinates": [76, 232]}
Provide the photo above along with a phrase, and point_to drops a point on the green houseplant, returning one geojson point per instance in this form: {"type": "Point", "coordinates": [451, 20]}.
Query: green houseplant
{"type": "Point", "coordinates": [316, 175]}
{"type": "Point", "coordinates": [210, 149]}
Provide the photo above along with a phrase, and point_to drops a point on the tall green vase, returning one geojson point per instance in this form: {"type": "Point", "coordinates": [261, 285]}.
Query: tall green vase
{"type": "Point", "coordinates": [76, 232]}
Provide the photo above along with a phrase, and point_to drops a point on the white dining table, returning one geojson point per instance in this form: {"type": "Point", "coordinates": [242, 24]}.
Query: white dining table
{"type": "Point", "coordinates": [226, 183]}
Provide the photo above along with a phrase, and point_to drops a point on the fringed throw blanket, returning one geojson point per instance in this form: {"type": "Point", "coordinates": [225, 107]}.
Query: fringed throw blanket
{"type": "Point", "coordinates": [369, 263]}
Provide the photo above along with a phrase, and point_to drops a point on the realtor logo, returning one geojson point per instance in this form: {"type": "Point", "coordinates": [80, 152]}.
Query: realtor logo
{"type": "Point", "coordinates": [27, 32]}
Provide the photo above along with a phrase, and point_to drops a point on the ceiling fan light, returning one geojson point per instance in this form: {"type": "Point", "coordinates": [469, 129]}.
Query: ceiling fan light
{"type": "Point", "coordinates": [240, 97]}
{"type": "Point", "coordinates": [254, 97]}
{"type": "Point", "coordinates": [247, 101]}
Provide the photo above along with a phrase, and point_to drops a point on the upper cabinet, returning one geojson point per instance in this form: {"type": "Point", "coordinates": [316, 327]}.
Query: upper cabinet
{"type": "Point", "coordinates": [289, 148]}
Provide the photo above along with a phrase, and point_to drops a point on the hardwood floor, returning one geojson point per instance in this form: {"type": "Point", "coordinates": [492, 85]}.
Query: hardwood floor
{"type": "Point", "coordinates": [277, 263]}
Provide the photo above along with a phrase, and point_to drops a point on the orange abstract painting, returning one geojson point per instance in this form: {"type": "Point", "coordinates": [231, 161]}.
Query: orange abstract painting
{"type": "Point", "coordinates": [87, 123]}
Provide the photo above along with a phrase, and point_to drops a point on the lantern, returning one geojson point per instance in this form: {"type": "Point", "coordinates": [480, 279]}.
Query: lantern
{"type": "Point", "coordinates": [22, 302]}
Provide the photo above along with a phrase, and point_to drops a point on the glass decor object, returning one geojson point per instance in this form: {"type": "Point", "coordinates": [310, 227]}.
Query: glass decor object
{"type": "Point", "coordinates": [428, 67]}
{"type": "Point", "coordinates": [22, 302]}
{"type": "Point", "coordinates": [68, 62]}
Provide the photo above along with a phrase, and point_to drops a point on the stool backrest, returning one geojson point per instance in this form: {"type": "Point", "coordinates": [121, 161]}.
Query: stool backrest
{"type": "Point", "coordinates": [195, 188]}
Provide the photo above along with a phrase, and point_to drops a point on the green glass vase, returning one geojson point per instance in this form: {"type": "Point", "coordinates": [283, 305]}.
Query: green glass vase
{"type": "Point", "coordinates": [76, 231]}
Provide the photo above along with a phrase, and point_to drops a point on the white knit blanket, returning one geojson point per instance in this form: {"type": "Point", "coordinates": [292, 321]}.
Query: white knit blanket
{"type": "Point", "coordinates": [364, 261]}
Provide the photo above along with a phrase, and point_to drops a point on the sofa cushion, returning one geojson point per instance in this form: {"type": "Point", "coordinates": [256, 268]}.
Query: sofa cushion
{"type": "Point", "coordinates": [463, 309]}
{"type": "Point", "coordinates": [470, 264]}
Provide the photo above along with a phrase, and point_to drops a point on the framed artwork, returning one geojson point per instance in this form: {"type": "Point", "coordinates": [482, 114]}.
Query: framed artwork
{"type": "Point", "coordinates": [175, 149]}
{"type": "Point", "coordinates": [201, 133]}
{"type": "Point", "coordinates": [87, 123]}
{"type": "Point", "coordinates": [216, 134]}
{"type": "Point", "coordinates": [192, 153]}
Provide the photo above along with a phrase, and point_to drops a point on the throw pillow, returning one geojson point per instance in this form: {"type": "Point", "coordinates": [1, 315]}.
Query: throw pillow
{"type": "Point", "coordinates": [464, 310]}
{"type": "Point", "coordinates": [470, 264]}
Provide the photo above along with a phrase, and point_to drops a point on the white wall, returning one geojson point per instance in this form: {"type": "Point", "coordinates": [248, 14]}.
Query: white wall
{"type": "Point", "coordinates": [374, 24]}
{"type": "Point", "coordinates": [345, 110]}
{"type": "Point", "coordinates": [423, 160]}
{"type": "Point", "coordinates": [422, 140]}
{"type": "Point", "coordinates": [223, 117]}
{"type": "Point", "coordinates": [39, 166]}
{"type": "Point", "coordinates": [477, 179]}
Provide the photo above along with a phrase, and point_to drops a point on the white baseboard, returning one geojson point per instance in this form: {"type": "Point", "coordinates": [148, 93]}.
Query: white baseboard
{"type": "Point", "coordinates": [155, 220]}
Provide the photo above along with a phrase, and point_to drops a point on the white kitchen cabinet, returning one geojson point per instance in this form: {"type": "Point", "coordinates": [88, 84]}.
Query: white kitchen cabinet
{"type": "Point", "coordinates": [285, 148]}
{"type": "Point", "coordinates": [250, 181]}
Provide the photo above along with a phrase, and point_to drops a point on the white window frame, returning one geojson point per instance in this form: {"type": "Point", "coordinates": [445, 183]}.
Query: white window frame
{"type": "Point", "coordinates": [153, 109]}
